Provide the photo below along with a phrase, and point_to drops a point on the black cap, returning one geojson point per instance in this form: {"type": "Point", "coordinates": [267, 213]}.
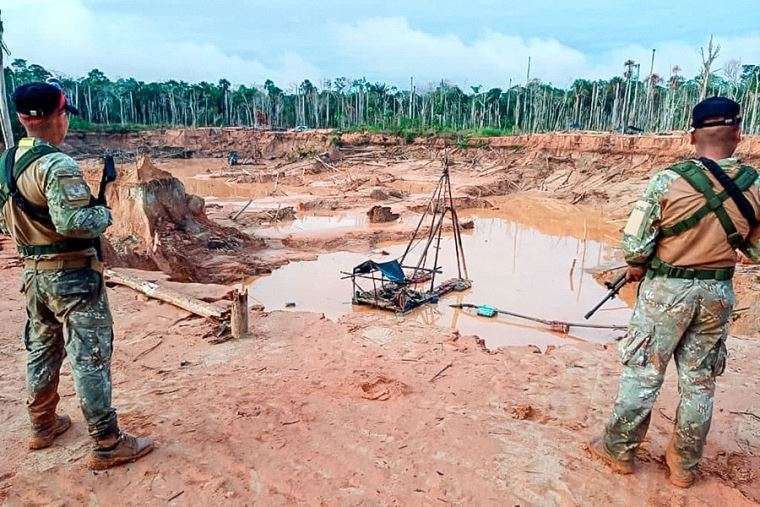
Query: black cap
{"type": "Point", "coordinates": [715, 112]}
{"type": "Point", "coordinates": [39, 100]}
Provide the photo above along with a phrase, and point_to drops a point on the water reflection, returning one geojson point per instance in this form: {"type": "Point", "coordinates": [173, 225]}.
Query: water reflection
{"type": "Point", "coordinates": [513, 267]}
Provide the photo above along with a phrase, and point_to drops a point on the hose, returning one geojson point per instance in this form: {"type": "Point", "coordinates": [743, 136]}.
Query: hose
{"type": "Point", "coordinates": [556, 325]}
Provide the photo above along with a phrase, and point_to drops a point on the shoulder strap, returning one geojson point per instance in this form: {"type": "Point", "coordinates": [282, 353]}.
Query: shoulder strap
{"type": "Point", "coordinates": [746, 209]}
{"type": "Point", "coordinates": [744, 180]}
{"type": "Point", "coordinates": [10, 171]}
{"type": "Point", "coordinates": [700, 182]}
{"type": "Point", "coordinates": [6, 174]}
{"type": "Point", "coordinates": [13, 169]}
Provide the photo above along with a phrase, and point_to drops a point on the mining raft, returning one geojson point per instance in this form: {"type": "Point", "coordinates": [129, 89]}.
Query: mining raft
{"type": "Point", "coordinates": [400, 285]}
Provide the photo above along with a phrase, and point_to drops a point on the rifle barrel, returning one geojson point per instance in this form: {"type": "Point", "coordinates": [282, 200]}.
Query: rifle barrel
{"type": "Point", "coordinates": [615, 287]}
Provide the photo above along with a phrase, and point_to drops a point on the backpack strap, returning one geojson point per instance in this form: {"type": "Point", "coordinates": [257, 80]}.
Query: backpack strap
{"type": "Point", "coordinates": [6, 168]}
{"type": "Point", "coordinates": [10, 170]}
{"type": "Point", "coordinates": [13, 170]}
{"type": "Point", "coordinates": [693, 174]}
{"type": "Point", "coordinates": [745, 178]}
{"type": "Point", "coordinates": [737, 195]}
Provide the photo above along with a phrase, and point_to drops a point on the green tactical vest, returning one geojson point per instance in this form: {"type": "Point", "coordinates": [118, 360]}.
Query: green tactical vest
{"type": "Point", "coordinates": [694, 175]}
{"type": "Point", "coordinates": [10, 171]}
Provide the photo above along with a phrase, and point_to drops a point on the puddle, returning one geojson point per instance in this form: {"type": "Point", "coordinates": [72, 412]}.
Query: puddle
{"type": "Point", "coordinates": [513, 266]}
{"type": "Point", "coordinates": [305, 224]}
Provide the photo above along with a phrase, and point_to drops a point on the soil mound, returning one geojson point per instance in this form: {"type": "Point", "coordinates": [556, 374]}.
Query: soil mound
{"type": "Point", "coordinates": [379, 214]}
{"type": "Point", "coordinates": [157, 225]}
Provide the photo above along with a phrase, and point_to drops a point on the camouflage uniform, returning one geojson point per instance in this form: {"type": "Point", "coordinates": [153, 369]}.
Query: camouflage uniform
{"type": "Point", "coordinates": [687, 319]}
{"type": "Point", "coordinates": [67, 308]}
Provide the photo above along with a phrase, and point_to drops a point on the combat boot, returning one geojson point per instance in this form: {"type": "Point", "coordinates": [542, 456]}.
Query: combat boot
{"type": "Point", "coordinates": [598, 450]}
{"type": "Point", "coordinates": [679, 476]}
{"type": "Point", "coordinates": [42, 438]}
{"type": "Point", "coordinates": [117, 450]}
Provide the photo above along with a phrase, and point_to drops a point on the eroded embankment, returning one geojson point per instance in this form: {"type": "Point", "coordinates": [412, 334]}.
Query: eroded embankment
{"type": "Point", "coordinates": [370, 408]}
{"type": "Point", "coordinates": [249, 142]}
{"type": "Point", "coordinates": [321, 172]}
{"type": "Point", "coordinates": [597, 168]}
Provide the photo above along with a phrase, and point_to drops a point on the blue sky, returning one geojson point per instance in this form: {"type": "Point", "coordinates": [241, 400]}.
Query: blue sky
{"type": "Point", "coordinates": [467, 42]}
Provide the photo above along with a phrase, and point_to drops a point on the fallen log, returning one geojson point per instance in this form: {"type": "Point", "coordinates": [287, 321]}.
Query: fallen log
{"type": "Point", "coordinates": [155, 291]}
{"type": "Point", "coordinates": [237, 215]}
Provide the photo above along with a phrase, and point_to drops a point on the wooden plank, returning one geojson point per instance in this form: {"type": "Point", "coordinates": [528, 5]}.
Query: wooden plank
{"type": "Point", "coordinates": [155, 291]}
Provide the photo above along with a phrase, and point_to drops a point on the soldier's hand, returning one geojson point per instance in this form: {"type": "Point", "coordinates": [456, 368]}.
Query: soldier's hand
{"type": "Point", "coordinates": [635, 273]}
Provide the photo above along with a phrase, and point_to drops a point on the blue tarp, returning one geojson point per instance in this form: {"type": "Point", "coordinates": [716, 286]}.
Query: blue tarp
{"type": "Point", "coordinates": [391, 270]}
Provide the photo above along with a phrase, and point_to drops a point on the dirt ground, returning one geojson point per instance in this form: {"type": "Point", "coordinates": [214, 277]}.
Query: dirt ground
{"type": "Point", "coordinates": [370, 408]}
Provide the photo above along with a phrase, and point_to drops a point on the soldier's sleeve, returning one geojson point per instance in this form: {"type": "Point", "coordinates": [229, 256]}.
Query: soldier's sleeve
{"type": "Point", "coordinates": [643, 226]}
{"type": "Point", "coordinates": [753, 240]}
{"type": "Point", "coordinates": [68, 198]}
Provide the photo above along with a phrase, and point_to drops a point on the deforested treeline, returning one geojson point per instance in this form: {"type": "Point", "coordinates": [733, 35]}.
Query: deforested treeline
{"type": "Point", "coordinates": [634, 101]}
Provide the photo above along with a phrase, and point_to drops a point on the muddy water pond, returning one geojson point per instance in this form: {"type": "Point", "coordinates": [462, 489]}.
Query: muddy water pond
{"type": "Point", "coordinates": [513, 266]}
{"type": "Point", "coordinates": [337, 222]}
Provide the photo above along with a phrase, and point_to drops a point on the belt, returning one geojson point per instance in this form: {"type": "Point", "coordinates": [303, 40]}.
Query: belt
{"type": "Point", "coordinates": [61, 264]}
{"type": "Point", "coordinates": [659, 268]}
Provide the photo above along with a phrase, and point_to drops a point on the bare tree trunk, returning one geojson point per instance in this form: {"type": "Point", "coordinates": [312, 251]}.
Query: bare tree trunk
{"type": "Point", "coordinates": [5, 114]}
{"type": "Point", "coordinates": [707, 61]}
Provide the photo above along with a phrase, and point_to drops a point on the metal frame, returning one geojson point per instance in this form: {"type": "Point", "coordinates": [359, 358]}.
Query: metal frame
{"type": "Point", "coordinates": [404, 297]}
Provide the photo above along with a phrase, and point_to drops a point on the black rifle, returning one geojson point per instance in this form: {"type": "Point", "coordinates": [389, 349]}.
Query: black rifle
{"type": "Point", "coordinates": [108, 176]}
{"type": "Point", "coordinates": [614, 287]}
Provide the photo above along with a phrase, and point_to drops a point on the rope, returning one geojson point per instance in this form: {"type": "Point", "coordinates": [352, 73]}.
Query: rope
{"type": "Point", "coordinates": [554, 324]}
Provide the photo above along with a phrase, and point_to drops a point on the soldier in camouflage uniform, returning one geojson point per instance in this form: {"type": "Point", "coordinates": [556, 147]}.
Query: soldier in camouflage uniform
{"type": "Point", "coordinates": [682, 238]}
{"type": "Point", "coordinates": [46, 206]}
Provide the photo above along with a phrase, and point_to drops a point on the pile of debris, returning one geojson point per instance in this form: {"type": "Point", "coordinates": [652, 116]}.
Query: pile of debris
{"type": "Point", "coordinates": [380, 214]}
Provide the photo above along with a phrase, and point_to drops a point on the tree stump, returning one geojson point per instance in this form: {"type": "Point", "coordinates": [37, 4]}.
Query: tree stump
{"type": "Point", "coordinates": [239, 314]}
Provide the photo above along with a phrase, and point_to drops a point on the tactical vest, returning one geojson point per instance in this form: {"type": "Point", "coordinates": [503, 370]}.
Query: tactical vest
{"type": "Point", "coordinates": [10, 171]}
{"type": "Point", "coordinates": [693, 174]}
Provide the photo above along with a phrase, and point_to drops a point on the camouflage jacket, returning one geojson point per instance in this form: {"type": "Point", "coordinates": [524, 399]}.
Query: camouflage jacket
{"type": "Point", "coordinates": [54, 181]}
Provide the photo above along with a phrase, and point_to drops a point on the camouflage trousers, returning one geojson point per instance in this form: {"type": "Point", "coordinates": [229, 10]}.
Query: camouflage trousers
{"type": "Point", "coordinates": [687, 320]}
{"type": "Point", "coordinates": [68, 315]}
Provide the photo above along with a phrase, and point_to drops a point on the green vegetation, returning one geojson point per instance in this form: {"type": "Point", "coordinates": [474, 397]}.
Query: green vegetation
{"type": "Point", "coordinates": [627, 102]}
{"type": "Point", "coordinates": [79, 124]}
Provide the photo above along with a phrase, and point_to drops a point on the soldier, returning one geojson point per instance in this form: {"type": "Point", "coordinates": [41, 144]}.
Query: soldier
{"type": "Point", "coordinates": [46, 206]}
{"type": "Point", "coordinates": [681, 239]}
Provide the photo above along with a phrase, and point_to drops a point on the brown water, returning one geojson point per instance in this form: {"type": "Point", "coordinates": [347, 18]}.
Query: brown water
{"type": "Point", "coordinates": [513, 266]}
{"type": "Point", "coordinates": [334, 223]}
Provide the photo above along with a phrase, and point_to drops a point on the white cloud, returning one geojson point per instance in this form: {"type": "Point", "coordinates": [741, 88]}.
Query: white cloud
{"type": "Point", "coordinates": [397, 51]}
{"type": "Point", "coordinates": [391, 48]}
{"type": "Point", "coordinates": [72, 37]}
{"type": "Point", "coordinates": [67, 37]}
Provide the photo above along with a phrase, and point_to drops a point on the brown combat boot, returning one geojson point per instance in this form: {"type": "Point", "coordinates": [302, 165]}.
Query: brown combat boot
{"type": "Point", "coordinates": [42, 438]}
{"type": "Point", "coordinates": [118, 450]}
{"type": "Point", "coordinates": [598, 450]}
{"type": "Point", "coordinates": [679, 476]}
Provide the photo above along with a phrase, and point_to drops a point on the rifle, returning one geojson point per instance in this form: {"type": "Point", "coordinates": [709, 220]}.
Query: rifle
{"type": "Point", "coordinates": [614, 288]}
{"type": "Point", "coordinates": [108, 176]}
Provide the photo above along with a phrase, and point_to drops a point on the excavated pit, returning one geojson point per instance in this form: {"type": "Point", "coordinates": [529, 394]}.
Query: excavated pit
{"type": "Point", "coordinates": [310, 194]}
{"type": "Point", "coordinates": [314, 409]}
{"type": "Point", "coordinates": [515, 266]}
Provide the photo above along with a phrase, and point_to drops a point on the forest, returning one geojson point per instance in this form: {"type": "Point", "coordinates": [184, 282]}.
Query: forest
{"type": "Point", "coordinates": [631, 102]}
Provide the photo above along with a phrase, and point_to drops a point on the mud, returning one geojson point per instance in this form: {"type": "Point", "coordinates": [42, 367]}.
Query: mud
{"type": "Point", "coordinates": [326, 404]}
{"type": "Point", "coordinates": [537, 274]}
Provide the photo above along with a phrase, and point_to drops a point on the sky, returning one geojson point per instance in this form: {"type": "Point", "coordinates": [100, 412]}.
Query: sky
{"type": "Point", "coordinates": [473, 42]}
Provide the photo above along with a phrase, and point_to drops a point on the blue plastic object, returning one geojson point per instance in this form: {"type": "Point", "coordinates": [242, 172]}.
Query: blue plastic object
{"type": "Point", "coordinates": [487, 311]}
